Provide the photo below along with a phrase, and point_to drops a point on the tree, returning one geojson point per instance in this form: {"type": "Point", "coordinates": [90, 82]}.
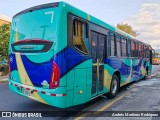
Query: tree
{"type": "Point", "coordinates": [127, 28]}
{"type": "Point", "coordinates": [4, 40]}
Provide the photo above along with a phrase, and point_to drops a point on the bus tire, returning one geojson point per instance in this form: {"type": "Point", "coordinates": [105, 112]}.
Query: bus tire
{"type": "Point", "coordinates": [113, 87]}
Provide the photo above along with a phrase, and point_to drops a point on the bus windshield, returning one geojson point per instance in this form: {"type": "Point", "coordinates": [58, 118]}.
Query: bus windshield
{"type": "Point", "coordinates": [38, 24]}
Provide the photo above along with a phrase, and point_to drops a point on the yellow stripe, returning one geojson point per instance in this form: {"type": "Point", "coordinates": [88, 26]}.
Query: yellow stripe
{"type": "Point", "coordinates": [143, 71]}
{"type": "Point", "coordinates": [25, 78]}
{"type": "Point", "coordinates": [82, 116]}
{"type": "Point", "coordinates": [107, 80]}
{"type": "Point", "coordinates": [111, 103]}
{"type": "Point", "coordinates": [16, 35]}
{"type": "Point", "coordinates": [103, 108]}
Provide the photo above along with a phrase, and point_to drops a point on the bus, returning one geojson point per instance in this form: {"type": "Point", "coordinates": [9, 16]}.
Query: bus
{"type": "Point", "coordinates": [62, 56]}
{"type": "Point", "coordinates": [156, 59]}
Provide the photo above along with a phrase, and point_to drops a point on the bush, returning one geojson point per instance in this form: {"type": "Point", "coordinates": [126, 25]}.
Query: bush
{"type": "Point", "coordinates": [4, 69]}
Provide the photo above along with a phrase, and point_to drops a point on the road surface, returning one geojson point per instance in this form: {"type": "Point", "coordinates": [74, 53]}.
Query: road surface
{"type": "Point", "coordinates": [155, 68]}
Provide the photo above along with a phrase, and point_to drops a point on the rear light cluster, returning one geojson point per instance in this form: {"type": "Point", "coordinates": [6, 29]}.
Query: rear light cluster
{"type": "Point", "coordinates": [55, 77]}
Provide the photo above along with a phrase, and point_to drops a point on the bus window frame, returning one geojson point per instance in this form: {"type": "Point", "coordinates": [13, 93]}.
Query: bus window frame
{"type": "Point", "coordinates": [120, 45]}
{"type": "Point", "coordinates": [124, 38]}
{"type": "Point", "coordinates": [134, 56]}
{"type": "Point", "coordinates": [71, 32]}
{"type": "Point", "coordinates": [83, 36]}
{"type": "Point", "coordinates": [129, 54]}
{"type": "Point", "coordinates": [115, 47]}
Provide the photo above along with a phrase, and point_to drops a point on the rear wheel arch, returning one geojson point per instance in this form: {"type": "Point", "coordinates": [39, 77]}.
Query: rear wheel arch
{"type": "Point", "coordinates": [114, 82]}
{"type": "Point", "coordinates": [119, 76]}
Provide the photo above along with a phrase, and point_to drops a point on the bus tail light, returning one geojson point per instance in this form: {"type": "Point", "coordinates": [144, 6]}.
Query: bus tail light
{"type": "Point", "coordinates": [55, 77]}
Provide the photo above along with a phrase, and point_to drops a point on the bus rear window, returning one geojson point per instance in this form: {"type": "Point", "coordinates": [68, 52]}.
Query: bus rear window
{"type": "Point", "coordinates": [39, 24]}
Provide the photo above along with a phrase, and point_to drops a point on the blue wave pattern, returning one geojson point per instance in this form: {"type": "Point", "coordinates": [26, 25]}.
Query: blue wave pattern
{"type": "Point", "coordinates": [118, 65]}
{"type": "Point", "coordinates": [13, 64]}
{"type": "Point", "coordinates": [124, 69]}
{"type": "Point", "coordinates": [66, 59]}
{"type": "Point", "coordinates": [38, 72]}
{"type": "Point", "coordinates": [69, 58]}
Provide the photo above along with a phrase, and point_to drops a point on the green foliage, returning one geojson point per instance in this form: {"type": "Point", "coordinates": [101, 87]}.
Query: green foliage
{"type": "Point", "coordinates": [4, 40]}
{"type": "Point", "coordinates": [127, 28]}
{"type": "Point", "coordinates": [4, 43]}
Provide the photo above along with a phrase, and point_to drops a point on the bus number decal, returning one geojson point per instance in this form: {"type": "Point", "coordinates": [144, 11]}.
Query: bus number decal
{"type": "Point", "coordinates": [52, 15]}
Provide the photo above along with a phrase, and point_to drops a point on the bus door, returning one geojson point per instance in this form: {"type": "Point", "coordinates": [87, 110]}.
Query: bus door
{"type": "Point", "coordinates": [97, 54]}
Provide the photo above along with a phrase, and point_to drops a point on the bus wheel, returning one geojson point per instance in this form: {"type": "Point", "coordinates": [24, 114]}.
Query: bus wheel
{"type": "Point", "coordinates": [114, 86]}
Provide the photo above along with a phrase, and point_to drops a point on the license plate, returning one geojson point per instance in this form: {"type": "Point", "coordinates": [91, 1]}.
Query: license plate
{"type": "Point", "coordinates": [27, 92]}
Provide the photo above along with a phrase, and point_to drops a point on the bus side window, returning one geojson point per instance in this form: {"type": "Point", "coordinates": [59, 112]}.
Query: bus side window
{"type": "Point", "coordinates": [133, 49]}
{"type": "Point", "coordinates": [137, 49]}
{"type": "Point", "coordinates": [118, 43]}
{"type": "Point", "coordinates": [124, 47]}
{"type": "Point", "coordinates": [113, 45]}
{"type": "Point", "coordinates": [80, 36]}
{"type": "Point", "coordinates": [129, 48]}
{"type": "Point", "coordinates": [140, 51]}
{"type": "Point", "coordinates": [144, 52]}
{"type": "Point", "coordinates": [147, 53]}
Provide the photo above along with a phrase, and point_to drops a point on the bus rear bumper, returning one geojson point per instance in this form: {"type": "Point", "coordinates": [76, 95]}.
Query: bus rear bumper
{"type": "Point", "coordinates": [47, 96]}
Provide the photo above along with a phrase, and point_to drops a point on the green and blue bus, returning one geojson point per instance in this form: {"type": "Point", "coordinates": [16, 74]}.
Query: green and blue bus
{"type": "Point", "coordinates": [62, 56]}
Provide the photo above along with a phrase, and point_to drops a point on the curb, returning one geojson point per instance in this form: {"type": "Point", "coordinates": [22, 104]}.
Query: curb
{"type": "Point", "coordinates": [3, 81]}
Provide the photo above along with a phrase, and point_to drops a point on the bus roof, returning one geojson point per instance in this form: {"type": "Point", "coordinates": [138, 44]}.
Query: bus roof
{"type": "Point", "coordinates": [43, 6]}
{"type": "Point", "coordinates": [83, 15]}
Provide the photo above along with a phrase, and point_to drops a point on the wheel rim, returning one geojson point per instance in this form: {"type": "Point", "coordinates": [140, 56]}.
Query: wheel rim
{"type": "Point", "coordinates": [114, 86]}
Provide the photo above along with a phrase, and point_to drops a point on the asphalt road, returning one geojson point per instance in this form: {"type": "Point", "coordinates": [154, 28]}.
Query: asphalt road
{"type": "Point", "coordinates": [155, 68]}
{"type": "Point", "coordinates": [143, 95]}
